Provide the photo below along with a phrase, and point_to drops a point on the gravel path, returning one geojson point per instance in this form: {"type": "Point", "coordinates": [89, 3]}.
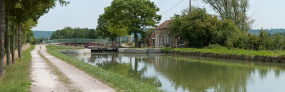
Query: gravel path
{"type": "Point", "coordinates": [44, 80]}
{"type": "Point", "coordinates": [80, 79]}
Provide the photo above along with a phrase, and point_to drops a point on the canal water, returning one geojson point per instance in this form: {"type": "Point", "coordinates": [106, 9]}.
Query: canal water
{"type": "Point", "coordinates": [178, 73]}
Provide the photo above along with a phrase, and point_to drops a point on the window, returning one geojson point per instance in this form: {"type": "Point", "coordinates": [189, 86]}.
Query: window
{"type": "Point", "coordinates": [181, 41]}
{"type": "Point", "coordinates": [157, 40]}
{"type": "Point", "coordinates": [166, 40]}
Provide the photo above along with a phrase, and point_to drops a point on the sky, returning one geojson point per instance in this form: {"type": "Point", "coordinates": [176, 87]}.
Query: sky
{"type": "Point", "coordinates": [84, 13]}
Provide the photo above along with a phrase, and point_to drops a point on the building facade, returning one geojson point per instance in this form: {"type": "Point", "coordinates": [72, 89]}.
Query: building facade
{"type": "Point", "coordinates": [162, 38]}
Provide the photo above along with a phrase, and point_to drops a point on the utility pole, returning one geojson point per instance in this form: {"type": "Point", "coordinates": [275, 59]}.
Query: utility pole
{"type": "Point", "coordinates": [189, 7]}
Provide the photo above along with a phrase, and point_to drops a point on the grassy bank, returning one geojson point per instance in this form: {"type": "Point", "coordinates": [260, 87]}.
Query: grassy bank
{"type": "Point", "coordinates": [230, 51]}
{"type": "Point", "coordinates": [121, 83]}
{"type": "Point", "coordinates": [17, 77]}
{"type": "Point", "coordinates": [258, 65]}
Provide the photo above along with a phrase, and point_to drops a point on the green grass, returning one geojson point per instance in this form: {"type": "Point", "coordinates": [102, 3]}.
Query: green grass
{"type": "Point", "coordinates": [247, 64]}
{"type": "Point", "coordinates": [64, 47]}
{"type": "Point", "coordinates": [17, 77]}
{"type": "Point", "coordinates": [231, 51]}
{"type": "Point", "coordinates": [117, 81]}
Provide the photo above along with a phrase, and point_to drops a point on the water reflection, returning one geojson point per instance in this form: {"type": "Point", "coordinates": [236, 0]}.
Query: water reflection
{"type": "Point", "coordinates": [193, 75]}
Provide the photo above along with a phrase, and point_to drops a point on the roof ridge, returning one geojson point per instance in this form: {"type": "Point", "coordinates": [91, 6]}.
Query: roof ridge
{"type": "Point", "coordinates": [164, 24]}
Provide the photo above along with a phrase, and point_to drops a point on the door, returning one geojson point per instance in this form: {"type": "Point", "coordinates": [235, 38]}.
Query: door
{"type": "Point", "coordinates": [153, 42]}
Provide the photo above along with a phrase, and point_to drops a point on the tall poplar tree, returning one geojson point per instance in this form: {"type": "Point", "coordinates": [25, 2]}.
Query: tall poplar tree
{"type": "Point", "coordinates": [2, 29]}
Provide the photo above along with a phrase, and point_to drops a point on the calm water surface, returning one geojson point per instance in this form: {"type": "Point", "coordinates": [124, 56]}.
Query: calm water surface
{"type": "Point", "coordinates": [194, 74]}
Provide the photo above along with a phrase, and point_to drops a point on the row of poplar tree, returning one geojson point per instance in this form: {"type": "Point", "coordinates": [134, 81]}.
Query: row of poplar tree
{"type": "Point", "coordinates": [17, 17]}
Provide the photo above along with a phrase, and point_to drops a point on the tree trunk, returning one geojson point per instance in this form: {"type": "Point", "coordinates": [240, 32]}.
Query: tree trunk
{"type": "Point", "coordinates": [19, 41]}
{"type": "Point", "coordinates": [13, 42]}
{"type": "Point", "coordinates": [119, 42]}
{"type": "Point", "coordinates": [2, 29]}
{"type": "Point", "coordinates": [136, 39]}
{"type": "Point", "coordinates": [7, 40]}
{"type": "Point", "coordinates": [112, 42]}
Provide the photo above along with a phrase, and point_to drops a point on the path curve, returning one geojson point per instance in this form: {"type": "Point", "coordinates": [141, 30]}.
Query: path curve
{"type": "Point", "coordinates": [80, 79]}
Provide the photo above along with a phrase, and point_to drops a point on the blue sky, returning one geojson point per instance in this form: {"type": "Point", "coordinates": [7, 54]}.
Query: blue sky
{"type": "Point", "coordinates": [84, 13]}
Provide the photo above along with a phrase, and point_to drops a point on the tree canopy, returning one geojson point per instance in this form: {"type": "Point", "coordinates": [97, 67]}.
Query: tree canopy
{"type": "Point", "coordinates": [132, 15]}
{"type": "Point", "coordinates": [201, 29]}
{"type": "Point", "coordinates": [235, 10]}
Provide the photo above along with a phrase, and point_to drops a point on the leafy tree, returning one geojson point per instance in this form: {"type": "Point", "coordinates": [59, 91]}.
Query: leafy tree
{"type": "Point", "coordinates": [233, 9]}
{"type": "Point", "coordinates": [78, 34]}
{"type": "Point", "coordinates": [278, 41]}
{"type": "Point", "coordinates": [92, 34]}
{"type": "Point", "coordinates": [119, 30]}
{"type": "Point", "coordinates": [102, 28]}
{"type": "Point", "coordinates": [134, 14]}
{"type": "Point", "coordinates": [201, 29]}
{"type": "Point", "coordinates": [27, 26]}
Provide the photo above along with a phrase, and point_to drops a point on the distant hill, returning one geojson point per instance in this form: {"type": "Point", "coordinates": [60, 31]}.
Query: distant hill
{"type": "Point", "coordinates": [270, 31]}
{"type": "Point", "coordinates": [44, 34]}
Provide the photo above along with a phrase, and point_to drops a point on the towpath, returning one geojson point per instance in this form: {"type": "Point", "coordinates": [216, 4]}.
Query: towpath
{"type": "Point", "coordinates": [46, 81]}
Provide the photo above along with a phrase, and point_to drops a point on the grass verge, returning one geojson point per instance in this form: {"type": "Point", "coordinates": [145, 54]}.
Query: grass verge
{"type": "Point", "coordinates": [248, 64]}
{"type": "Point", "coordinates": [17, 77]}
{"type": "Point", "coordinates": [230, 51]}
{"type": "Point", "coordinates": [120, 82]}
{"type": "Point", "coordinates": [63, 47]}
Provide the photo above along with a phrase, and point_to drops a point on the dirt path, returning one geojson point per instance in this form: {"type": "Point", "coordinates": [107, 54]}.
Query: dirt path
{"type": "Point", "coordinates": [44, 80]}
{"type": "Point", "coordinates": [81, 80]}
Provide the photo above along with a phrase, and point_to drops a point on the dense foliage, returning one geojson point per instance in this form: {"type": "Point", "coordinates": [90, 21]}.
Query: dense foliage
{"type": "Point", "coordinates": [201, 29]}
{"type": "Point", "coordinates": [263, 41]}
{"type": "Point", "coordinates": [69, 32]}
{"type": "Point", "coordinates": [128, 16]}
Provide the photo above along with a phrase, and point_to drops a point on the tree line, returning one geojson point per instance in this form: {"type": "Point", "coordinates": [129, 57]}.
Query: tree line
{"type": "Point", "coordinates": [262, 41]}
{"type": "Point", "coordinates": [69, 32]}
{"type": "Point", "coordinates": [17, 17]}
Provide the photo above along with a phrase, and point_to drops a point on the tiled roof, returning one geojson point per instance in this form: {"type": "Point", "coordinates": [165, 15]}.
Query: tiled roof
{"type": "Point", "coordinates": [163, 25]}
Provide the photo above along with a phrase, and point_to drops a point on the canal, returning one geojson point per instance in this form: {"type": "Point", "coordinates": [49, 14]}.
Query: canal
{"type": "Point", "coordinates": [178, 73]}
